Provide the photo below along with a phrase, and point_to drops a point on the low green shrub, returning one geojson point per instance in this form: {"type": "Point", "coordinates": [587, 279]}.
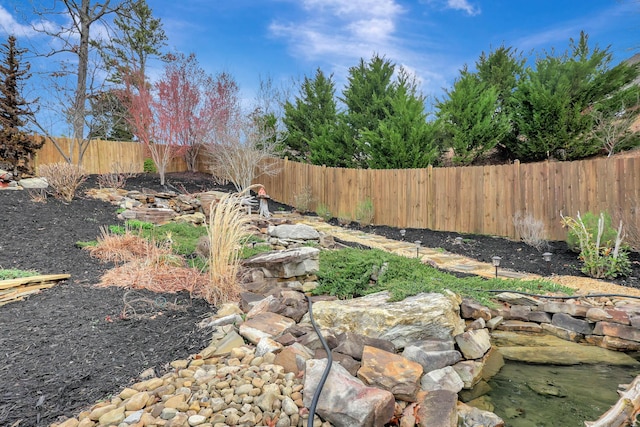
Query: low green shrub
{"type": "Point", "coordinates": [347, 273]}
{"type": "Point", "coordinates": [12, 273]}
{"type": "Point", "coordinates": [149, 166]}
{"type": "Point", "coordinates": [323, 211]}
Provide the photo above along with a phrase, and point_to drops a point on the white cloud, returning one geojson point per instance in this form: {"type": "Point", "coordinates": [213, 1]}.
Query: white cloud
{"type": "Point", "coordinates": [10, 26]}
{"type": "Point", "coordinates": [463, 5]}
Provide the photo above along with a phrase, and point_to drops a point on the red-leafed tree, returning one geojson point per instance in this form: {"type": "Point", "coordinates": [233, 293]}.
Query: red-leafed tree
{"type": "Point", "coordinates": [152, 119]}
{"type": "Point", "coordinates": [199, 103]}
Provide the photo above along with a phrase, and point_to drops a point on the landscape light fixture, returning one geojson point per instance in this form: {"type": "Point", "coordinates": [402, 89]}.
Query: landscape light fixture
{"type": "Point", "coordinates": [496, 263]}
{"type": "Point", "coordinates": [402, 233]}
{"type": "Point", "coordinates": [547, 258]}
{"type": "Point", "coordinates": [418, 243]}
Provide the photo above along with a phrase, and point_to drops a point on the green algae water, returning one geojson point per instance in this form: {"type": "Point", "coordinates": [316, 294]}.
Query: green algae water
{"type": "Point", "coordinates": [526, 395]}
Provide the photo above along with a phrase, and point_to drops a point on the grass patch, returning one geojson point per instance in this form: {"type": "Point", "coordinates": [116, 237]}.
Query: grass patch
{"type": "Point", "coordinates": [183, 237]}
{"type": "Point", "coordinates": [347, 273]}
{"type": "Point", "coordinates": [7, 274]}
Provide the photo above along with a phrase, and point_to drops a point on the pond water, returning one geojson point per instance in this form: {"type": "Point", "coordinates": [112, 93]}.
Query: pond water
{"type": "Point", "coordinates": [526, 395]}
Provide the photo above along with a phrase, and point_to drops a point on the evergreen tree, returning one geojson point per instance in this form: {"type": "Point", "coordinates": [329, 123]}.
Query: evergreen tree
{"type": "Point", "coordinates": [551, 103]}
{"type": "Point", "coordinates": [404, 139]}
{"type": "Point", "coordinates": [16, 146]}
{"type": "Point", "coordinates": [471, 118]}
{"type": "Point", "coordinates": [368, 96]}
{"type": "Point", "coordinates": [312, 116]}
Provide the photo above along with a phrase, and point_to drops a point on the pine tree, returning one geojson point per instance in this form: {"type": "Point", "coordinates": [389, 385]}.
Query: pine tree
{"type": "Point", "coordinates": [471, 119]}
{"type": "Point", "coordinates": [404, 139]}
{"type": "Point", "coordinates": [16, 146]}
{"type": "Point", "coordinates": [367, 96]}
{"type": "Point", "coordinates": [311, 120]}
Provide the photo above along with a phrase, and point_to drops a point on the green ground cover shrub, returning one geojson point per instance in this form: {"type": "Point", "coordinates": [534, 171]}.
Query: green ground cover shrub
{"type": "Point", "coordinates": [12, 273]}
{"type": "Point", "coordinates": [347, 273]}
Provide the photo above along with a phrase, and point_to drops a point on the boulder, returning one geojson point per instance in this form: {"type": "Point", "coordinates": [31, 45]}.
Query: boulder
{"type": "Point", "coordinates": [442, 379]}
{"type": "Point", "coordinates": [286, 263]}
{"type": "Point", "coordinates": [345, 400]}
{"type": "Point", "coordinates": [474, 343]}
{"type": "Point", "coordinates": [294, 232]}
{"type": "Point", "coordinates": [416, 318]}
{"type": "Point", "coordinates": [391, 372]}
{"type": "Point", "coordinates": [33, 183]}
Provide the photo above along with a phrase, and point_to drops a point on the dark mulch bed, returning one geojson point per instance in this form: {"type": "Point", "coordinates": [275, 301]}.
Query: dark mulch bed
{"type": "Point", "coordinates": [64, 348]}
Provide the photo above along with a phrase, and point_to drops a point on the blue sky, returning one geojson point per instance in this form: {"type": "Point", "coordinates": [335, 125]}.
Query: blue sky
{"type": "Point", "coordinates": [285, 39]}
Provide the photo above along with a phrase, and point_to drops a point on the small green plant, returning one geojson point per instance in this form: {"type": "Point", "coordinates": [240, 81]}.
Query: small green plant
{"type": "Point", "coordinates": [344, 218]}
{"type": "Point", "coordinates": [365, 212]}
{"type": "Point", "coordinates": [87, 244]}
{"type": "Point", "coordinates": [138, 224]}
{"type": "Point", "coordinates": [7, 274]}
{"type": "Point", "coordinates": [120, 210]}
{"type": "Point", "coordinates": [602, 259]}
{"type": "Point", "coordinates": [590, 222]}
{"type": "Point", "coordinates": [323, 211]}
{"type": "Point", "coordinates": [302, 200]}
{"type": "Point", "coordinates": [149, 166]}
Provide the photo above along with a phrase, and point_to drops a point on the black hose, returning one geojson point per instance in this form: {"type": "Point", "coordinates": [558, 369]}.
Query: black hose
{"type": "Point", "coordinates": [325, 374]}
{"type": "Point", "coordinates": [558, 297]}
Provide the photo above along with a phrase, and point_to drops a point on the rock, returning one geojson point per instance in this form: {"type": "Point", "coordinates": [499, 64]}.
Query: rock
{"type": "Point", "coordinates": [469, 371]}
{"type": "Point", "coordinates": [548, 349]}
{"type": "Point", "coordinates": [415, 318]}
{"type": "Point", "coordinates": [137, 401]}
{"type": "Point", "coordinates": [196, 420]}
{"type": "Point", "coordinates": [392, 372]}
{"type": "Point", "coordinates": [570, 308]}
{"type": "Point", "coordinates": [566, 321]}
{"type": "Point", "coordinates": [352, 344]}
{"type": "Point", "coordinates": [267, 345]}
{"type": "Point", "coordinates": [294, 232]}
{"type": "Point", "coordinates": [474, 343]}
{"type": "Point", "coordinates": [345, 400]}
{"type": "Point", "coordinates": [224, 346]}
{"type": "Point", "coordinates": [286, 263]}
{"type": "Point", "coordinates": [442, 379]}
{"type": "Point", "coordinates": [293, 358]}
{"type": "Point", "coordinates": [70, 422]}
{"type": "Point", "coordinates": [470, 309]}
{"type": "Point", "coordinates": [134, 417]}
{"type": "Point", "coordinates": [99, 411]}
{"type": "Point", "coordinates": [617, 330]}
{"type": "Point", "coordinates": [517, 299]}
{"type": "Point", "coordinates": [431, 360]}
{"type": "Point", "coordinates": [438, 409]}
{"type": "Point", "coordinates": [270, 325]}
{"type": "Point", "coordinates": [469, 416]}
{"type": "Point", "coordinates": [115, 416]}
{"type": "Point", "coordinates": [196, 218]}
{"type": "Point", "coordinates": [519, 325]}
{"type": "Point", "coordinates": [33, 183]}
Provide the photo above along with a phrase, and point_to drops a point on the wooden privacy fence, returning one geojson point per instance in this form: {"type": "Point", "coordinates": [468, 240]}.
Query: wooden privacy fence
{"type": "Point", "coordinates": [476, 199]}
{"type": "Point", "coordinates": [103, 156]}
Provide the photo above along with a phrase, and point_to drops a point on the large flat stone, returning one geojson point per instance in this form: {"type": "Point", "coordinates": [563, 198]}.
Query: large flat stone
{"type": "Point", "coordinates": [549, 349]}
{"type": "Point", "coordinates": [417, 318]}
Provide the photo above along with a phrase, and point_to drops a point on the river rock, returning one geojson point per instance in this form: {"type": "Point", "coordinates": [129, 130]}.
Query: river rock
{"type": "Point", "coordinates": [416, 318]}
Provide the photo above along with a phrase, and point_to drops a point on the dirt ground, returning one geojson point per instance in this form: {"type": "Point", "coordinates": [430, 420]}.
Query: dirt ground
{"type": "Point", "coordinates": [65, 348]}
